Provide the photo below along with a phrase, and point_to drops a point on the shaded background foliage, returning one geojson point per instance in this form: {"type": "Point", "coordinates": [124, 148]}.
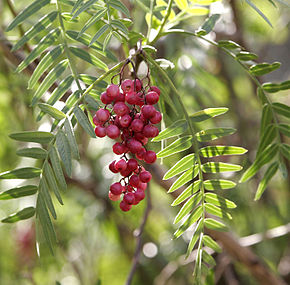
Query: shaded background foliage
{"type": "Point", "coordinates": [96, 240]}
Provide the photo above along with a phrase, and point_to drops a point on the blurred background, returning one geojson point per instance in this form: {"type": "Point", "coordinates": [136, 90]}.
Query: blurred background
{"type": "Point", "coordinates": [96, 240]}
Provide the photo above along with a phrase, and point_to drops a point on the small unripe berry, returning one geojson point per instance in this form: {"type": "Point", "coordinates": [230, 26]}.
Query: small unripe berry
{"type": "Point", "coordinates": [113, 197]}
{"type": "Point", "coordinates": [113, 91]}
{"type": "Point", "coordinates": [100, 131]}
{"type": "Point", "coordinates": [112, 131]}
{"type": "Point", "coordinates": [150, 156]}
{"type": "Point", "coordinates": [121, 109]}
{"type": "Point", "coordinates": [156, 119]}
{"type": "Point", "coordinates": [103, 115]}
{"type": "Point", "coordinates": [129, 198]}
{"type": "Point", "coordinates": [148, 111]}
{"type": "Point", "coordinates": [124, 206]}
{"type": "Point", "coordinates": [137, 125]}
{"type": "Point", "coordinates": [127, 85]}
{"type": "Point", "coordinates": [121, 165]}
{"type": "Point", "coordinates": [116, 188]}
{"type": "Point", "coordinates": [139, 194]}
{"type": "Point", "coordinates": [112, 167]}
{"type": "Point", "coordinates": [134, 180]}
{"type": "Point", "coordinates": [119, 148]}
{"type": "Point", "coordinates": [106, 99]}
{"type": "Point", "coordinates": [152, 98]}
{"type": "Point", "coordinates": [145, 176]}
{"type": "Point", "coordinates": [125, 121]}
{"type": "Point", "coordinates": [132, 164]}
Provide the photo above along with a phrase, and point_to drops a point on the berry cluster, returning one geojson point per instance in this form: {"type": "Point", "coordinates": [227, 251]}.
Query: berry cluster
{"type": "Point", "coordinates": [131, 121]}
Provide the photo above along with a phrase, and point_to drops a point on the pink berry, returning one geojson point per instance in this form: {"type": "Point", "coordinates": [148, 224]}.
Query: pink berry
{"type": "Point", "coordinates": [150, 131]}
{"type": "Point", "coordinates": [112, 131]}
{"type": "Point", "coordinates": [121, 165]}
{"type": "Point", "coordinates": [103, 115]}
{"type": "Point", "coordinates": [113, 197]}
{"type": "Point", "coordinates": [125, 121]}
{"type": "Point", "coordinates": [112, 167]}
{"type": "Point", "coordinates": [156, 119]}
{"type": "Point", "coordinates": [137, 125]}
{"type": "Point", "coordinates": [132, 164]}
{"type": "Point", "coordinates": [148, 111]}
{"type": "Point", "coordinates": [121, 109]}
{"type": "Point", "coordinates": [137, 84]}
{"type": "Point", "coordinates": [129, 198]}
{"type": "Point", "coordinates": [145, 176]}
{"type": "Point", "coordinates": [116, 188]}
{"type": "Point", "coordinates": [131, 98]}
{"type": "Point", "coordinates": [96, 121]}
{"type": "Point", "coordinates": [113, 91]}
{"type": "Point", "coordinates": [150, 156]}
{"type": "Point", "coordinates": [134, 145]}
{"type": "Point", "coordinates": [152, 98]}
{"type": "Point", "coordinates": [106, 99]}
{"type": "Point", "coordinates": [139, 194]}
{"type": "Point", "coordinates": [120, 97]}
{"type": "Point", "coordinates": [127, 85]}
{"type": "Point", "coordinates": [100, 131]}
{"type": "Point", "coordinates": [140, 154]}
{"type": "Point", "coordinates": [124, 206]}
{"type": "Point", "coordinates": [119, 148]}
{"type": "Point", "coordinates": [126, 172]}
{"type": "Point", "coordinates": [155, 89]}
{"type": "Point", "coordinates": [143, 186]}
{"type": "Point", "coordinates": [134, 180]}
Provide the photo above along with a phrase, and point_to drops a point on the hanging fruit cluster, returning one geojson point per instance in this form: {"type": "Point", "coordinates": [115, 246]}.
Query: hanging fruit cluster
{"type": "Point", "coordinates": [129, 117]}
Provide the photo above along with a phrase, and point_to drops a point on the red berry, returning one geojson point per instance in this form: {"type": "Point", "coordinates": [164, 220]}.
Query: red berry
{"type": "Point", "coordinates": [100, 131]}
{"type": "Point", "coordinates": [150, 156]}
{"type": "Point", "coordinates": [121, 165]}
{"type": "Point", "coordinates": [134, 180]}
{"type": "Point", "coordinates": [145, 176]}
{"type": "Point", "coordinates": [96, 121]}
{"type": "Point", "coordinates": [152, 98]}
{"type": "Point", "coordinates": [124, 206]}
{"type": "Point", "coordinates": [140, 154]}
{"type": "Point", "coordinates": [129, 188]}
{"type": "Point", "coordinates": [116, 188]}
{"type": "Point", "coordinates": [113, 91]}
{"type": "Point", "coordinates": [129, 198]}
{"type": "Point", "coordinates": [137, 84]}
{"type": "Point", "coordinates": [103, 115]}
{"type": "Point", "coordinates": [120, 97]}
{"type": "Point", "coordinates": [127, 85]}
{"type": "Point", "coordinates": [134, 145]}
{"type": "Point", "coordinates": [112, 167]}
{"type": "Point", "coordinates": [121, 109]}
{"type": "Point", "coordinates": [112, 131]}
{"type": "Point", "coordinates": [114, 197]}
{"type": "Point", "coordinates": [156, 119]}
{"type": "Point", "coordinates": [125, 121]}
{"type": "Point", "coordinates": [132, 98]}
{"type": "Point", "coordinates": [150, 131]}
{"type": "Point", "coordinates": [137, 125]}
{"type": "Point", "coordinates": [148, 111]}
{"type": "Point", "coordinates": [119, 148]}
{"type": "Point", "coordinates": [139, 194]}
{"type": "Point", "coordinates": [155, 89]}
{"type": "Point", "coordinates": [132, 164]}
{"type": "Point", "coordinates": [126, 172]}
{"type": "Point", "coordinates": [106, 99]}
{"type": "Point", "coordinates": [143, 186]}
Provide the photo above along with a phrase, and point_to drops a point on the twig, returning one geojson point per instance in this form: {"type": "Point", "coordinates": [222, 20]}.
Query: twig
{"type": "Point", "coordinates": [138, 234]}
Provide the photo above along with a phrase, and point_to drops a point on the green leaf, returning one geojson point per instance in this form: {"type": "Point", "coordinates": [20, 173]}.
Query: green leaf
{"type": "Point", "coordinates": [212, 151]}
{"type": "Point", "coordinates": [190, 174]}
{"type": "Point", "coordinates": [43, 190]}
{"type": "Point", "coordinates": [57, 168]}
{"type": "Point", "coordinates": [207, 114]}
{"type": "Point", "coordinates": [268, 137]}
{"type": "Point", "coordinates": [285, 150]}
{"type": "Point", "coordinates": [188, 207]}
{"type": "Point", "coordinates": [195, 237]}
{"type": "Point", "coordinates": [284, 129]}
{"type": "Point", "coordinates": [77, 4]}
{"type": "Point", "coordinates": [92, 102]}
{"type": "Point", "coordinates": [107, 39]}
{"type": "Point", "coordinates": [267, 117]}
{"type": "Point", "coordinates": [217, 211]}
{"type": "Point", "coordinates": [182, 165]}
{"type": "Point", "coordinates": [71, 139]}
{"type": "Point", "coordinates": [84, 122]}
{"type": "Point", "coordinates": [208, 25]}
{"type": "Point", "coordinates": [189, 191]}
{"type": "Point", "coordinates": [259, 12]}
{"type": "Point", "coordinates": [215, 225]}
{"type": "Point", "coordinates": [27, 12]}
{"type": "Point", "coordinates": [214, 167]}
{"type": "Point", "coordinates": [38, 137]}
{"type": "Point", "coordinates": [18, 192]}
{"type": "Point", "coordinates": [194, 216]}
{"type": "Point", "coordinates": [266, 156]}
{"type": "Point", "coordinates": [218, 184]}
{"type": "Point", "coordinates": [53, 112]}
{"type": "Point", "coordinates": [181, 4]}
{"type": "Point", "coordinates": [84, 7]}
{"type": "Point", "coordinates": [219, 201]}
{"type": "Point", "coordinates": [177, 128]}
{"type": "Point", "coordinates": [276, 87]}
{"type": "Point", "coordinates": [267, 177]}
{"type": "Point", "coordinates": [282, 109]}
{"type": "Point", "coordinates": [285, 85]}
{"type": "Point", "coordinates": [51, 77]}
{"type": "Point", "coordinates": [118, 5]}
{"type": "Point", "coordinates": [264, 68]}
{"type": "Point", "coordinates": [99, 33]}
{"type": "Point", "coordinates": [21, 173]}
{"type": "Point", "coordinates": [88, 57]}
{"type": "Point", "coordinates": [41, 25]}
{"type": "Point", "coordinates": [245, 56]}
{"type": "Point", "coordinates": [213, 134]}
{"type": "Point", "coordinates": [209, 242]}
{"type": "Point", "coordinates": [179, 145]}
{"type": "Point", "coordinates": [228, 44]}
{"type": "Point", "coordinates": [33, 152]}
{"type": "Point", "coordinates": [44, 64]}
{"type": "Point", "coordinates": [46, 42]}
{"type": "Point", "coordinates": [64, 151]}
{"type": "Point", "coordinates": [119, 26]}
{"type": "Point", "coordinates": [21, 215]}
{"type": "Point", "coordinates": [50, 178]}
{"type": "Point", "coordinates": [207, 258]}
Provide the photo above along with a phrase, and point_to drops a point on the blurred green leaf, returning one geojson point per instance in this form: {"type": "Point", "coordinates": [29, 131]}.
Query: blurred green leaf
{"type": "Point", "coordinates": [21, 215]}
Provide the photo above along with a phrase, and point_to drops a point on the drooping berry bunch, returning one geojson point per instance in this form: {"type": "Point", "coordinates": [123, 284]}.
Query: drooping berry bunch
{"type": "Point", "coordinates": [129, 117]}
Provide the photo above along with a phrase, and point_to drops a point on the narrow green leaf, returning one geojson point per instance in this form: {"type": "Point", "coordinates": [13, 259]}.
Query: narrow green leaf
{"type": "Point", "coordinates": [207, 114]}
{"type": "Point", "coordinates": [71, 139]}
{"type": "Point", "coordinates": [44, 190]}
{"type": "Point", "coordinates": [268, 137]}
{"type": "Point", "coordinates": [27, 12]}
{"type": "Point", "coordinates": [53, 112]}
{"type": "Point", "coordinates": [209, 242]}
{"type": "Point", "coordinates": [33, 152]}
{"type": "Point", "coordinates": [208, 25]}
{"type": "Point", "coordinates": [245, 56]}
{"type": "Point", "coordinates": [259, 12]}
{"type": "Point", "coordinates": [120, 26]}
{"type": "Point", "coordinates": [21, 215]}
{"type": "Point", "coordinates": [267, 118]}
{"type": "Point", "coordinates": [214, 167]}
{"type": "Point", "coordinates": [99, 33]}
{"type": "Point", "coordinates": [18, 192]}
{"type": "Point", "coordinates": [51, 77]}
{"type": "Point", "coordinates": [21, 173]}
{"type": "Point", "coordinates": [285, 85]}
{"type": "Point", "coordinates": [282, 109]}
{"type": "Point", "coordinates": [194, 216]}
{"type": "Point", "coordinates": [182, 165]}
{"type": "Point", "coordinates": [215, 225]}
{"type": "Point", "coordinates": [64, 151]}
{"type": "Point", "coordinates": [212, 151]}
{"type": "Point", "coordinates": [218, 184]}
{"type": "Point", "coordinates": [219, 201]}
{"type": "Point", "coordinates": [228, 44]}
{"type": "Point", "coordinates": [92, 103]}
{"type": "Point", "coordinates": [208, 259]}
{"type": "Point", "coordinates": [195, 237]}
{"type": "Point", "coordinates": [189, 191]}
{"type": "Point", "coordinates": [179, 145]}
{"type": "Point", "coordinates": [118, 5]}
{"type": "Point", "coordinates": [213, 134]}
{"type": "Point", "coordinates": [275, 87]}
{"type": "Point", "coordinates": [88, 57]}
{"type": "Point", "coordinates": [266, 156]}
{"type": "Point", "coordinates": [41, 25]}
{"type": "Point", "coordinates": [285, 150]}
{"type": "Point", "coordinates": [190, 174]}
{"type": "Point", "coordinates": [46, 42]}
{"type": "Point", "coordinates": [177, 128]}
{"type": "Point", "coordinates": [108, 38]}
{"type": "Point", "coordinates": [44, 64]}
{"type": "Point", "coordinates": [57, 168]}
{"type": "Point", "coordinates": [77, 4]}
{"type": "Point", "coordinates": [284, 129]}
{"type": "Point", "coordinates": [38, 137]}
{"type": "Point", "coordinates": [84, 122]}
{"type": "Point", "coordinates": [217, 211]}
{"type": "Point", "coordinates": [84, 7]}
{"type": "Point", "coordinates": [267, 177]}
{"type": "Point", "coordinates": [264, 68]}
